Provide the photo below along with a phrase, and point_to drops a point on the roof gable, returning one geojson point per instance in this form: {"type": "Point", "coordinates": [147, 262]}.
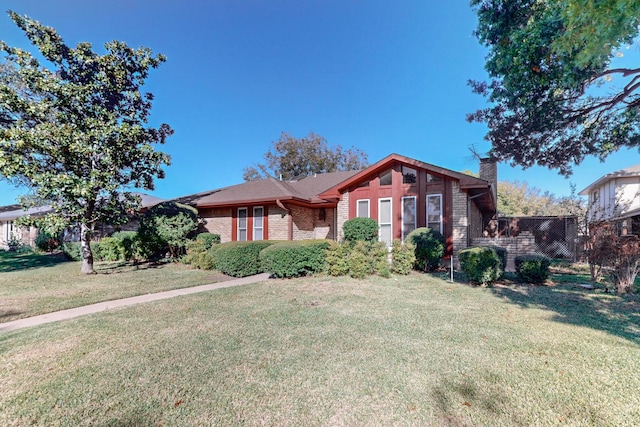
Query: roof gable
{"type": "Point", "coordinates": [622, 173]}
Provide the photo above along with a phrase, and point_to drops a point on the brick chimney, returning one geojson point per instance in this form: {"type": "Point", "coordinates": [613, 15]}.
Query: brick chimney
{"type": "Point", "coordinates": [489, 172]}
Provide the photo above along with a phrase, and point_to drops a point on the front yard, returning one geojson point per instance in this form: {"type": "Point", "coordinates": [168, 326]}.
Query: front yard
{"type": "Point", "coordinates": [413, 350]}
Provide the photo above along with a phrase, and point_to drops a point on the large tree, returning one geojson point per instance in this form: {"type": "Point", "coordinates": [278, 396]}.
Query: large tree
{"type": "Point", "coordinates": [76, 129]}
{"type": "Point", "coordinates": [517, 198]}
{"type": "Point", "coordinates": [291, 157]}
{"type": "Point", "coordinates": [557, 94]}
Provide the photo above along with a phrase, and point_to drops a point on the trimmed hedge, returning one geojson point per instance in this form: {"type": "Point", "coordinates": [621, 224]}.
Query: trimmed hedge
{"type": "Point", "coordinates": [121, 246]}
{"type": "Point", "coordinates": [239, 259]}
{"type": "Point", "coordinates": [208, 239]}
{"type": "Point", "coordinates": [533, 268]}
{"type": "Point", "coordinates": [360, 230]}
{"type": "Point", "coordinates": [481, 264]}
{"type": "Point", "coordinates": [430, 247]}
{"type": "Point", "coordinates": [403, 256]}
{"type": "Point", "coordinates": [337, 259]}
{"type": "Point", "coordinates": [502, 254]}
{"type": "Point", "coordinates": [294, 258]}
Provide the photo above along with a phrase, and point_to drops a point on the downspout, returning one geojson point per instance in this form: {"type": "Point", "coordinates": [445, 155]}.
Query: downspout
{"type": "Point", "coordinates": [288, 211]}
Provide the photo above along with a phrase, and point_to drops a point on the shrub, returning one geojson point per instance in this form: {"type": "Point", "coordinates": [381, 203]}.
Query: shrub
{"type": "Point", "coordinates": [481, 264]}
{"type": "Point", "coordinates": [502, 254]}
{"type": "Point", "coordinates": [47, 242]}
{"type": "Point", "coordinates": [208, 239]}
{"type": "Point", "coordinates": [198, 251]}
{"type": "Point", "coordinates": [403, 257]}
{"type": "Point", "coordinates": [532, 268]}
{"type": "Point", "coordinates": [360, 230]}
{"type": "Point", "coordinates": [359, 261]}
{"type": "Point", "coordinates": [430, 247]}
{"type": "Point", "coordinates": [121, 246]}
{"type": "Point", "coordinates": [240, 259]}
{"type": "Point", "coordinates": [336, 258]}
{"type": "Point", "coordinates": [72, 250]}
{"type": "Point", "coordinates": [166, 227]}
{"type": "Point", "coordinates": [295, 258]}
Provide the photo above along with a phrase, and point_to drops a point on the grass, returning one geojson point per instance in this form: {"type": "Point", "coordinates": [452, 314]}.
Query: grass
{"type": "Point", "coordinates": [412, 350]}
{"type": "Point", "coordinates": [32, 284]}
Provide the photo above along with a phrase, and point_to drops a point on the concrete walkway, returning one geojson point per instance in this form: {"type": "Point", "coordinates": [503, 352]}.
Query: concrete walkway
{"type": "Point", "coordinates": [108, 305]}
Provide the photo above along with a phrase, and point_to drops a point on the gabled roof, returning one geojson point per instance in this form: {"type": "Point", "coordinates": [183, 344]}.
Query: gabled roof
{"type": "Point", "coordinates": [269, 190]}
{"type": "Point", "coordinates": [476, 187]}
{"type": "Point", "coordinates": [622, 173]}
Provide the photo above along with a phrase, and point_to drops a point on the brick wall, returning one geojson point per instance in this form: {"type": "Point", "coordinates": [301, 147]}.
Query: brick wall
{"type": "Point", "coordinates": [342, 215]}
{"type": "Point", "coordinates": [524, 244]}
{"type": "Point", "coordinates": [218, 221]}
{"type": "Point", "coordinates": [460, 220]}
{"type": "Point", "coordinates": [278, 220]}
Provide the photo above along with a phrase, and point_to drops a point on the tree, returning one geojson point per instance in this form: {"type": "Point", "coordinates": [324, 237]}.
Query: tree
{"type": "Point", "coordinates": [77, 133]}
{"type": "Point", "coordinates": [291, 157]}
{"type": "Point", "coordinates": [517, 198]}
{"type": "Point", "coordinates": [549, 62]}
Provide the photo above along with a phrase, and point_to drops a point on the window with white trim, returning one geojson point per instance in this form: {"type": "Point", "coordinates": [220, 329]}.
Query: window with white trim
{"type": "Point", "coordinates": [363, 208]}
{"type": "Point", "coordinates": [408, 215]}
{"type": "Point", "coordinates": [385, 221]}
{"type": "Point", "coordinates": [258, 223]}
{"type": "Point", "coordinates": [242, 224]}
{"type": "Point", "coordinates": [434, 211]}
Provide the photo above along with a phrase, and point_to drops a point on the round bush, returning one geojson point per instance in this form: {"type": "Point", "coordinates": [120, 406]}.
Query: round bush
{"type": "Point", "coordinates": [360, 230]}
{"type": "Point", "coordinates": [481, 264]}
{"type": "Point", "coordinates": [166, 227]}
{"type": "Point", "coordinates": [295, 258]}
{"type": "Point", "coordinates": [430, 247]}
{"type": "Point", "coordinates": [532, 268]}
{"type": "Point", "coordinates": [239, 259]}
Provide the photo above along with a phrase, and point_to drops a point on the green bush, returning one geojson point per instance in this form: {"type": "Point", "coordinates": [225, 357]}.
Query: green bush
{"type": "Point", "coordinates": [72, 250]}
{"type": "Point", "coordinates": [360, 265]}
{"type": "Point", "coordinates": [532, 268]}
{"type": "Point", "coordinates": [430, 248]}
{"type": "Point", "coordinates": [336, 258]}
{"type": "Point", "coordinates": [198, 251]}
{"type": "Point", "coordinates": [240, 259]}
{"type": "Point", "coordinates": [481, 264]}
{"type": "Point", "coordinates": [360, 230]}
{"type": "Point", "coordinates": [165, 228]}
{"type": "Point", "coordinates": [47, 242]}
{"type": "Point", "coordinates": [208, 239]}
{"type": "Point", "coordinates": [403, 257]}
{"type": "Point", "coordinates": [502, 254]}
{"type": "Point", "coordinates": [295, 258]}
{"type": "Point", "coordinates": [121, 246]}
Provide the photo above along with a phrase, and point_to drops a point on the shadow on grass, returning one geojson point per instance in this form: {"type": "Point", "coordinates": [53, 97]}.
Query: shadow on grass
{"type": "Point", "coordinates": [15, 261]}
{"type": "Point", "coordinates": [614, 314]}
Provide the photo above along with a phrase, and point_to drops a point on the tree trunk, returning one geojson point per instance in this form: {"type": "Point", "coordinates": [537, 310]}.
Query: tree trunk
{"type": "Point", "coordinates": [87, 255]}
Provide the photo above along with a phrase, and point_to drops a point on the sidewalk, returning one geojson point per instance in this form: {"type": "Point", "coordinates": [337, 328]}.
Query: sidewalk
{"type": "Point", "coordinates": [125, 302]}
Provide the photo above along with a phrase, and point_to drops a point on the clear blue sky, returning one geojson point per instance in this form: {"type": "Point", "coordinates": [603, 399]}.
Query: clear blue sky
{"type": "Point", "coordinates": [383, 76]}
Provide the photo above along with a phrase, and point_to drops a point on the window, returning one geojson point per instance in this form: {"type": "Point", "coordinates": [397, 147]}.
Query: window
{"type": "Point", "coordinates": [433, 178]}
{"type": "Point", "coordinates": [242, 224]}
{"type": "Point", "coordinates": [385, 233]}
{"type": "Point", "coordinates": [363, 209]}
{"type": "Point", "coordinates": [409, 175]}
{"type": "Point", "coordinates": [408, 215]}
{"type": "Point", "coordinates": [386, 177]}
{"type": "Point", "coordinates": [434, 211]}
{"type": "Point", "coordinates": [258, 221]}
{"type": "Point", "coordinates": [364, 184]}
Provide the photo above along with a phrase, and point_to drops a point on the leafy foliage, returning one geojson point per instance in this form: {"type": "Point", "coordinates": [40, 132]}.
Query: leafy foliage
{"type": "Point", "coordinates": [337, 259]}
{"type": "Point", "coordinates": [403, 256]}
{"type": "Point", "coordinates": [357, 259]}
{"type": "Point", "coordinates": [481, 264]}
{"type": "Point", "coordinates": [430, 247]}
{"type": "Point", "coordinates": [360, 230]}
{"type": "Point", "coordinates": [121, 246]}
{"type": "Point", "coordinates": [519, 199]}
{"type": "Point", "coordinates": [47, 242]}
{"type": "Point", "coordinates": [77, 134]}
{"type": "Point", "coordinates": [533, 268]}
{"type": "Point", "coordinates": [240, 259]}
{"type": "Point", "coordinates": [292, 157]}
{"type": "Point", "coordinates": [166, 227]}
{"type": "Point", "coordinates": [199, 253]}
{"type": "Point", "coordinates": [548, 63]}
{"type": "Point", "coordinates": [295, 258]}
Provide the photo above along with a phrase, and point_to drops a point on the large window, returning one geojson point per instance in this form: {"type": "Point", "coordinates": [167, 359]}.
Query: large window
{"type": "Point", "coordinates": [434, 211]}
{"type": "Point", "coordinates": [363, 208]}
{"type": "Point", "coordinates": [409, 175]}
{"type": "Point", "coordinates": [258, 223]}
{"type": "Point", "coordinates": [408, 215]}
{"type": "Point", "coordinates": [385, 221]}
{"type": "Point", "coordinates": [242, 224]}
{"type": "Point", "coordinates": [386, 178]}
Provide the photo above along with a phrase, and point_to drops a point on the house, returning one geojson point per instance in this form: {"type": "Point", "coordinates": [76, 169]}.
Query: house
{"type": "Point", "coordinates": [616, 197]}
{"type": "Point", "coordinates": [27, 235]}
{"type": "Point", "coordinates": [399, 192]}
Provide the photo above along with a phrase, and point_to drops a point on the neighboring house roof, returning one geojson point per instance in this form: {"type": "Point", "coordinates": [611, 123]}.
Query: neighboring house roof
{"type": "Point", "coordinates": [623, 173]}
{"type": "Point", "coordinates": [15, 211]}
{"type": "Point", "coordinates": [270, 189]}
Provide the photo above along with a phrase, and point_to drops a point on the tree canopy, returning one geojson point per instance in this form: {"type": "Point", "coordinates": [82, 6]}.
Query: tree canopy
{"type": "Point", "coordinates": [291, 157]}
{"type": "Point", "coordinates": [517, 198]}
{"type": "Point", "coordinates": [76, 130]}
{"type": "Point", "coordinates": [558, 90]}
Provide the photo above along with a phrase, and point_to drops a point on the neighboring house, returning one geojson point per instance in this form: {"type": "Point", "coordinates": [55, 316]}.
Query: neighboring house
{"type": "Point", "coordinates": [616, 197]}
{"type": "Point", "coordinates": [400, 193]}
{"type": "Point", "coordinates": [27, 235]}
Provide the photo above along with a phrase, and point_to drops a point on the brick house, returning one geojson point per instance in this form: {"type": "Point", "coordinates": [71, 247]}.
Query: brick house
{"type": "Point", "coordinates": [400, 193]}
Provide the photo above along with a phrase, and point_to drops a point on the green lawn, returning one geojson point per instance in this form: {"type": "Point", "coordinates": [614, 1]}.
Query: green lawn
{"type": "Point", "coordinates": [411, 350]}
{"type": "Point", "coordinates": [32, 284]}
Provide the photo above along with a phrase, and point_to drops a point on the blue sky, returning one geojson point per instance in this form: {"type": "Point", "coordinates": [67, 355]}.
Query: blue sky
{"type": "Point", "coordinates": [382, 76]}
